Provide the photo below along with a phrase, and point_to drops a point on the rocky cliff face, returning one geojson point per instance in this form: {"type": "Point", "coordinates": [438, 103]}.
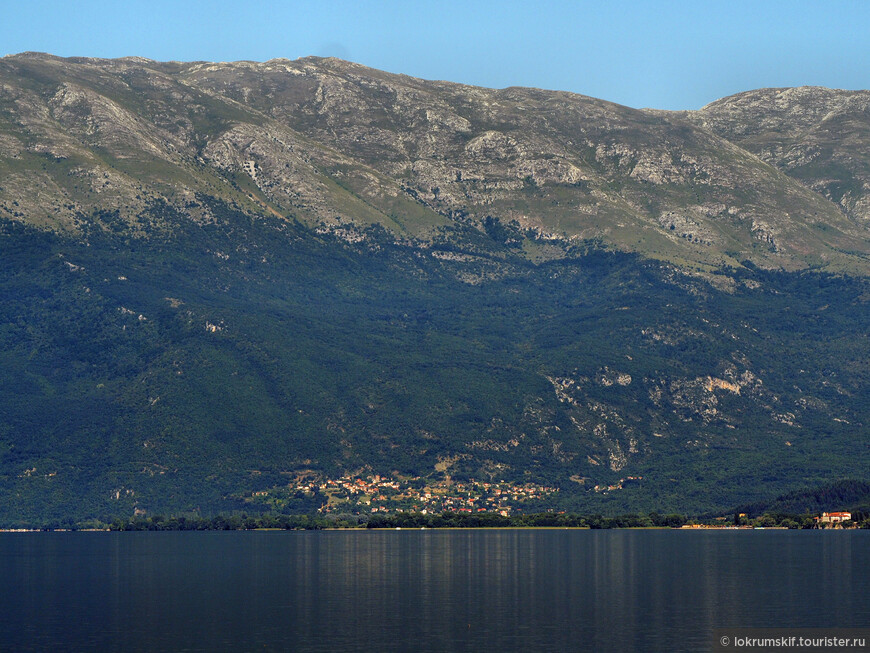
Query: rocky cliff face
{"type": "Point", "coordinates": [818, 136]}
{"type": "Point", "coordinates": [339, 146]}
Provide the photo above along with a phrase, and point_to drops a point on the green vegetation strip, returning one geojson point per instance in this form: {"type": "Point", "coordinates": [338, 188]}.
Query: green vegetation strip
{"type": "Point", "coordinates": [411, 520]}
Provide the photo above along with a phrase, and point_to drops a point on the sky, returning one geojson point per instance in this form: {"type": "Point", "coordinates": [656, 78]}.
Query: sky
{"type": "Point", "coordinates": [664, 55]}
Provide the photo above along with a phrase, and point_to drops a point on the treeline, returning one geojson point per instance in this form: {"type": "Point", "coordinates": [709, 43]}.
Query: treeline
{"type": "Point", "coordinates": [241, 522]}
{"type": "Point", "coordinates": [536, 520]}
{"type": "Point", "coordinates": [394, 520]}
{"type": "Point", "coordinates": [416, 520]}
{"type": "Point", "coordinates": [846, 492]}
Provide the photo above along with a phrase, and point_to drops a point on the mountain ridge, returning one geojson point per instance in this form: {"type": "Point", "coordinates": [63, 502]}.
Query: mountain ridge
{"type": "Point", "coordinates": [329, 141]}
{"type": "Point", "coordinates": [220, 279]}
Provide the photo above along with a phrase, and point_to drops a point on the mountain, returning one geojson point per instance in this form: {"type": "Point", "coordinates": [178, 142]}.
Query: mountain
{"type": "Point", "coordinates": [818, 136]}
{"type": "Point", "coordinates": [333, 143]}
{"type": "Point", "coordinates": [218, 279]}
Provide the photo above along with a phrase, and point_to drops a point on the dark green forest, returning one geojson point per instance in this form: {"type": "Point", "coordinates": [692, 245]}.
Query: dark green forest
{"type": "Point", "coordinates": [849, 494]}
{"type": "Point", "coordinates": [179, 366]}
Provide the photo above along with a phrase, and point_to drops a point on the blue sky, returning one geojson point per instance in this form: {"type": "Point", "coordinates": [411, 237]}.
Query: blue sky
{"type": "Point", "coordinates": [667, 55]}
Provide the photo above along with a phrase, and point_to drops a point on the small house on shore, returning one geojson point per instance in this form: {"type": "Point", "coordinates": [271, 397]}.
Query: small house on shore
{"type": "Point", "coordinates": [834, 517]}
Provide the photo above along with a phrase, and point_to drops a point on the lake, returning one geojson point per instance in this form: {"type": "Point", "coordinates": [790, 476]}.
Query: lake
{"type": "Point", "coordinates": [411, 590]}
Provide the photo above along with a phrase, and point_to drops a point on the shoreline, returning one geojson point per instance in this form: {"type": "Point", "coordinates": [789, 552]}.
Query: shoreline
{"type": "Point", "coordinates": [363, 529]}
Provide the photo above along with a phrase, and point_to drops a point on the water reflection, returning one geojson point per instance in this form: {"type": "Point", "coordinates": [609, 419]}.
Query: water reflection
{"type": "Point", "coordinates": [423, 590]}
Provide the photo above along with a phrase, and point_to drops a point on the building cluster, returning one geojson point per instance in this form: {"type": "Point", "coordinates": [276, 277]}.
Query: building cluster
{"type": "Point", "coordinates": [623, 482]}
{"type": "Point", "coordinates": [375, 494]}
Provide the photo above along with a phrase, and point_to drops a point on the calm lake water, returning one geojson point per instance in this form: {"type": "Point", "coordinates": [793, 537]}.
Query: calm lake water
{"type": "Point", "coordinates": [512, 590]}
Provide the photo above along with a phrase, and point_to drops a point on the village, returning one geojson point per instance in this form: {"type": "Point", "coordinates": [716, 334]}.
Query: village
{"type": "Point", "coordinates": [378, 494]}
{"type": "Point", "coordinates": [373, 494]}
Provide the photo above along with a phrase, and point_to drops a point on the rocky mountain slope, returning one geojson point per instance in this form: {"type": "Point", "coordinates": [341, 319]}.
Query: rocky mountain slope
{"type": "Point", "coordinates": [339, 145]}
{"type": "Point", "coordinates": [819, 136]}
{"type": "Point", "coordinates": [218, 279]}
